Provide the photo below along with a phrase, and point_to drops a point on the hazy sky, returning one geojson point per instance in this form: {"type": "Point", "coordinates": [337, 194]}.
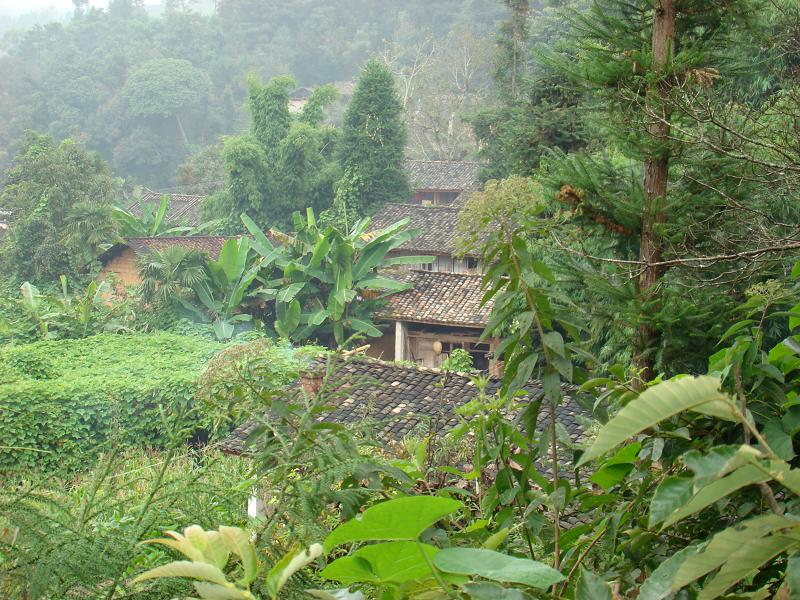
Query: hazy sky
{"type": "Point", "coordinates": [17, 7]}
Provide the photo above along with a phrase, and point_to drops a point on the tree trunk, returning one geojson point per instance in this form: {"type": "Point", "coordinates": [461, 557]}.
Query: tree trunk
{"type": "Point", "coordinates": [656, 173]}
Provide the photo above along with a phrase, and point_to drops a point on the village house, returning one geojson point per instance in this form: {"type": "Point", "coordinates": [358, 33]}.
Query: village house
{"type": "Point", "coordinates": [438, 236]}
{"type": "Point", "coordinates": [121, 261]}
{"type": "Point", "coordinates": [184, 209]}
{"type": "Point", "coordinates": [441, 182]}
{"type": "Point", "coordinates": [399, 400]}
{"type": "Point", "coordinates": [439, 313]}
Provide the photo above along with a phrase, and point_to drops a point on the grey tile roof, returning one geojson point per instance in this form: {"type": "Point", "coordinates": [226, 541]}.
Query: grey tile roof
{"type": "Point", "coordinates": [396, 400]}
{"type": "Point", "coordinates": [210, 244]}
{"type": "Point", "coordinates": [451, 175]}
{"type": "Point", "coordinates": [437, 225]}
{"type": "Point", "coordinates": [183, 208]}
{"type": "Point", "coordinates": [437, 298]}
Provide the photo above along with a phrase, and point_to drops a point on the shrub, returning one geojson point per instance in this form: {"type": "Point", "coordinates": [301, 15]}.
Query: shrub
{"type": "Point", "coordinates": [61, 400]}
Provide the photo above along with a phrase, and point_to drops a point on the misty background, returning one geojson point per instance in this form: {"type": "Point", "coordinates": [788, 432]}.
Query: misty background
{"type": "Point", "coordinates": [155, 86]}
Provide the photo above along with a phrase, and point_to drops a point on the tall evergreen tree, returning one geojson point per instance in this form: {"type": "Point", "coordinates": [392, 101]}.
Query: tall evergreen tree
{"type": "Point", "coordinates": [666, 190]}
{"type": "Point", "coordinates": [534, 109]}
{"type": "Point", "coordinates": [373, 143]}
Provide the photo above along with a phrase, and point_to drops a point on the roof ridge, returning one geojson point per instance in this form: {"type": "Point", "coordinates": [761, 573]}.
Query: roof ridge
{"type": "Point", "coordinates": [425, 206]}
{"type": "Point", "coordinates": [447, 273]}
{"type": "Point", "coordinates": [185, 237]}
{"type": "Point", "coordinates": [407, 367]}
{"type": "Point", "coordinates": [468, 162]}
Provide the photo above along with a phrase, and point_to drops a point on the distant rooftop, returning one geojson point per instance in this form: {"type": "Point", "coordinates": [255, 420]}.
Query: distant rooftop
{"type": "Point", "coordinates": [398, 398]}
{"type": "Point", "coordinates": [183, 208]}
{"type": "Point", "coordinates": [451, 175]}
{"type": "Point", "coordinates": [210, 244]}
{"type": "Point", "coordinates": [438, 298]}
{"type": "Point", "coordinates": [437, 225]}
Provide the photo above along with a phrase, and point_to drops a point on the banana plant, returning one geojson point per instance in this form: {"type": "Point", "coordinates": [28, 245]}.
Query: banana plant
{"type": "Point", "coordinates": [326, 281]}
{"type": "Point", "coordinates": [223, 291]}
{"type": "Point", "coordinates": [152, 222]}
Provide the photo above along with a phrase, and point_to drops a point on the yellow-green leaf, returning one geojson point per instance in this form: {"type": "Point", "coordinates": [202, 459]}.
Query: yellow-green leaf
{"type": "Point", "coordinates": [654, 405]}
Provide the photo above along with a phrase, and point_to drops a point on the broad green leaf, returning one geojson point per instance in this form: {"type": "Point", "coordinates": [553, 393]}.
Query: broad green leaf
{"type": "Point", "coordinates": [724, 544]}
{"type": "Point", "coordinates": [659, 585]}
{"type": "Point", "coordinates": [779, 441]}
{"type": "Point", "coordinates": [238, 542]}
{"type": "Point", "coordinates": [288, 293]}
{"type": "Point", "coordinates": [261, 243]}
{"type": "Point", "coordinates": [714, 491]}
{"type": "Point", "coordinates": [290, 564]}
{"type": "Point", "coordinates": [672, 493]}
{"type": "Point", "coordinates": [185, 568]}
{"type": "Point", "coordinates": [484, 590]}
{"type": "Point", "coordinates": [651, 407]}
{"type": "Point", "coordinates": [718, 462]}
{"type": "Point", "coordinates": [745, 561]}
{"type": "Point", "coordinates": [793, 575]}
{"type": "Point", "coordinates": [395, 562]}
{"type": "Point", "coordinates": [497, 567]}
{"type": "Point", "coordinates": [608, 477]}
{"type": "Point", "coordinates": [553, 341]}
{"type": "Point", "coordinates": [591, 587]}
{"type": "Point", "coordinates": [365, 327]}
{"type": "Point", "coordinates": [214, 591]}
{"type": "Point", "coordinates": [398, 519]}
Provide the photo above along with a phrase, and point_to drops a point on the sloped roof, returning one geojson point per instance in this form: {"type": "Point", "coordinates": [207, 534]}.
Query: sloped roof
{"type": "Point", "coordinates": [437, 225]}
{"type": "Point", "coordinates": [452, 175]}
{"type": "Point", "coordinates": [210, 244]}
{"type": "Point", "coordinates": [438, 298]}
{"type": "Point", "coordinates": [183, 208]}
{"type": "Point", "coordinates": [399, 398]}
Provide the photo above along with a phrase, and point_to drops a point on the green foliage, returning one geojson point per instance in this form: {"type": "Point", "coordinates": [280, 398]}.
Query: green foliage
{"type": "Point", "coordinates": [209, 552]}
{"type": "Point", "coordinates": [372, 145]}
{"type": "Point", "coordinates": [81, 536]}
{"type": "Point", "coordinates": [283, 161]}
{"type": "Point", "coordinates": [47, 183]}
{"type": "Point", "coordinates": [325, 281]}
{"type": "Point", "coordinates": [69, 398]}
{"type": "Point", "coordinates": [459, 361]}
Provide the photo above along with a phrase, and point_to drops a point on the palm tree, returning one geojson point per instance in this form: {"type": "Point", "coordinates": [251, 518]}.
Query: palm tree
{"type": "Point", "coordinates": [171, 274]}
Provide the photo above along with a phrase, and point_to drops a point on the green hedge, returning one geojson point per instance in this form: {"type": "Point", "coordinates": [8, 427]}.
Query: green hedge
{"type": "Point", "coordinates": [62, 401]}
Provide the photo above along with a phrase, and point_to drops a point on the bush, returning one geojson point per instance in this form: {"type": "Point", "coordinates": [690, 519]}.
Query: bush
{"type": "Point", "coordinates": [61, 400]}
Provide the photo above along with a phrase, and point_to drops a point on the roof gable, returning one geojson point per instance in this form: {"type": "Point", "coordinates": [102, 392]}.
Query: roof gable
{"type": "Point", "coordinates": [211, 245]}
{"type": "Point", "coordinates": [450, 175]}
{"type": "Point", "coordinates": [183, 208]}
{"type": "Point", "coordinates": [438, 227]}
{"type": "Point", "coordinates": [438, 298]}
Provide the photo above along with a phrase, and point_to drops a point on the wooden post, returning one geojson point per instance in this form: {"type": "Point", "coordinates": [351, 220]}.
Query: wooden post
{"type": "Point", "coordinates": [399, 340]}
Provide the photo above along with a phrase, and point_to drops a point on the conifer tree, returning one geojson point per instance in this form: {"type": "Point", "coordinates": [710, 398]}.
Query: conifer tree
{"type": "Point", "coordinates": [373, 143]}
{"type": "Point", "coordinates": [663, 191]}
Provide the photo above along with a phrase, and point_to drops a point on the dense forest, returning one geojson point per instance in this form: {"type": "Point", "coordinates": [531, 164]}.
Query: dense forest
{"type": "Point", "coordinates": [149, 91]}
{"type": "Point", "coordinates": [281, 397]}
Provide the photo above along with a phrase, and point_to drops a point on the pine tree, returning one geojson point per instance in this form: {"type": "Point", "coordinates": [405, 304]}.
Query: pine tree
{"type": "Point", "coordinates": [664, 189]}
{"type": "Point", "coordinates": [373, 143]}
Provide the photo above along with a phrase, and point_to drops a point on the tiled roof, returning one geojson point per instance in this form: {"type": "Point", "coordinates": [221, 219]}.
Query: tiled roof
{"type": "Point", "coordinates": [438, 298]}
{"type": "Point", "coordinates": [183, 208]}
{"type": "Point", "coordinates": [211, 245]}
{"type": "Point", "coordinates": [437, 225]}
{"type": "Point", "coordinates": [450, 175]}
{"type": "Point", "coordinates": [397, 399]}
